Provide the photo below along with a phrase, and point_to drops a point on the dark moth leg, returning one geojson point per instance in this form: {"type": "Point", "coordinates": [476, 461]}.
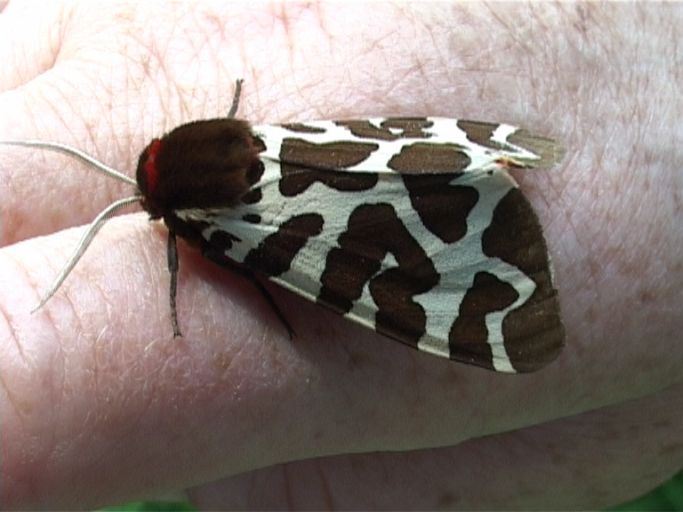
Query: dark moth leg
{"type": "Point", "coordinates": [244, 271]}
{"type": "Point", "coordinates": [270, 300]}
{"type": "Point", "coordinates": [235, 98]}
{"type": "Point", "coordinates": [172, 250]}
{"type": "Point", "coordinates": [172, 255]}
{"type": "Point", "coordinates": [219, 258]}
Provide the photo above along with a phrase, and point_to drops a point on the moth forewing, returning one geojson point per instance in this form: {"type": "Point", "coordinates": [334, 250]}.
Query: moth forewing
{"type": "Point", "coordinates": [410, 226]}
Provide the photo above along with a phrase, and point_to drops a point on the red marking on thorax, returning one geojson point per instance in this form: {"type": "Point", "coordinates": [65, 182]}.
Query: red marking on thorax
{"type": "Point", "coordinates": [151, 170]}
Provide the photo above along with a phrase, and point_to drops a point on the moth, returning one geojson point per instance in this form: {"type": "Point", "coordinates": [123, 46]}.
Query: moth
{"type": "Point", "coordinates": [412, 227]}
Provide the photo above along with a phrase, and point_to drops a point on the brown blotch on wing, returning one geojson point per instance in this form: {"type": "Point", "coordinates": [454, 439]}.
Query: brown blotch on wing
{"type": "Point", "coordinates": [304, 163]}
{"type": "Point", "coordinates": [392, 128]}
{"type": "Point", "coordinates": [480, 133]}
{"type": "Point", "coordinates": [468, 337]}
{"type": "Point", "coordinates": [374, 231]}
{"type": "Point", "coordinates": [296, 180]}
{"type": "Point", "coordinates": [303, 128]}
{"type": "Point", "coordinates": [430, 158]}
{"type": "Point", "coordinates": [275, 253]}
{"type": "Point", "coordinates": [533, 333]}
{"type": "Point", "coordinates": [442, 207]}
{"type": "Point", "coordinates": [326, 155]}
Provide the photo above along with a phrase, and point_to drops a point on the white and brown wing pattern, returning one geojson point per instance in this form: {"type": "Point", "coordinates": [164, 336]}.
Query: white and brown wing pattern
{"type": "Point", "coordinates": [410, 226]}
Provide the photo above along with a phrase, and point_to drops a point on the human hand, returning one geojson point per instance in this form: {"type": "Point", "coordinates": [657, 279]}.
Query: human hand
{"type": "Point", "coordinates": [99, 404]}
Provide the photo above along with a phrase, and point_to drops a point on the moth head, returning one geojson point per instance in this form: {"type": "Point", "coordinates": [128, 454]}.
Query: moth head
{"type": "Point", "coordinates": [148, 178]}
{"type": "Point", "coordinates": [202, 164]}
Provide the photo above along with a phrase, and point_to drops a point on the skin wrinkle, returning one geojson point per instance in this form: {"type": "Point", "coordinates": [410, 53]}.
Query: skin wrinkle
{"type": "Point", "coordinates": [28, 279]}
{"type": "Point", "coordinates": [196, 46]}
{"type": "Point", "coordinates": [279, 11]}
{"type": "Point", "coordinates": [419, 394]}
{"type": "Point", "coordinates": [325, 487]}
{"type": "Point", "coordinates": [317, 12]}
{"type": "Point", "coordinates": [510, 29]}
{"type": "Point", "coordinates": [59, 30]}
{"type": "Point", "coordinates": [158, 289]}
{"type": "Point", "coordinates": [155, 69]}
{"type": "Point", "coordinates": [7, 215]}
{"type": "Point", "coordinates": [256, 337]}
{"type": "Point", "coordinates": [24, 416]}
{"type": "Point", "coordinates": [75, 199]}
{"type": "Point", "coordinates": [282, 26]}
{"type": "Point", "coordinates": [172, 92]}
{"type": "Point", "coordinates": [569, 218]}
{"type": "Point", "coordinates": [94, 371]}
{"type": "Point", "coordinates": [5, 320]}
{"type": "Point", "coordinates": [287, 486]}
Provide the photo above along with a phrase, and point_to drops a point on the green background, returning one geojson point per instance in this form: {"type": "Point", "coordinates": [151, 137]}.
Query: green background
{"type": "Point", "coordinates": [668, 496]}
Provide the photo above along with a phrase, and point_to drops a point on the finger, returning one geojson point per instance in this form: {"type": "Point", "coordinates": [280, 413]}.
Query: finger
{"type": "Point", "coordinates": [99, 367]}
{"type": "Point", "coordinates": [42, 191]}
{"type": "Point", "coordinates": [33, 201]}
{"type": "Point", "coordinates": [589, 462]}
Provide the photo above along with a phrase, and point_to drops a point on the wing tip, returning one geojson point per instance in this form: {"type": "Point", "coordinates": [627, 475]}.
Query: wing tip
{"type": "Point", "coordinates": [548, 150]}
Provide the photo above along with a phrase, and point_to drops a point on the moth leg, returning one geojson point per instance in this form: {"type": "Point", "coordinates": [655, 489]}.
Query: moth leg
{"type": "Point", "coordinates": [172, 255]}
{"type": "Point", "coordinates": [220, 259]}
{"type": "Point", "coordinates": [270, 300]}
{"type": "Point", "coordinates": [235, 98]}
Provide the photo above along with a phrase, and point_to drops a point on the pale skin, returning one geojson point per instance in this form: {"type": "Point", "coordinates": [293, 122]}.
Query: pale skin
{"type": "Point", "coordinates": [100, 405]}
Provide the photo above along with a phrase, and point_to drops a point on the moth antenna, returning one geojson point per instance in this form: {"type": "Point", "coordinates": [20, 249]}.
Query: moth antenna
{"type": "Point", "coordinates": [235, 98]}
{"type": "Point", "coordinates": [84, 243]}
{"type": "Point", "coordinates": [77, 153]}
